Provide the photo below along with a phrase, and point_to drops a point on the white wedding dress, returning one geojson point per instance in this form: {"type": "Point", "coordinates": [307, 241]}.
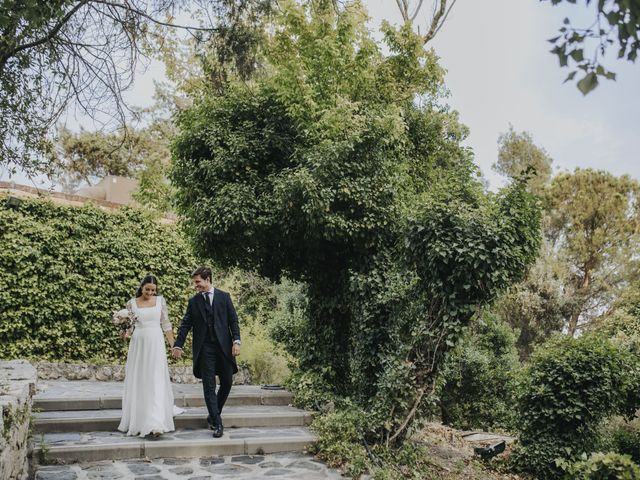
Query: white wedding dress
{"type": "Point", "coordinates": [147, 401]}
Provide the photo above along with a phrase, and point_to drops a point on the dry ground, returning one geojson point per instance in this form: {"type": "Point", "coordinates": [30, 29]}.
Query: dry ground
{"type": "Point", "coordinates": [453, 457]}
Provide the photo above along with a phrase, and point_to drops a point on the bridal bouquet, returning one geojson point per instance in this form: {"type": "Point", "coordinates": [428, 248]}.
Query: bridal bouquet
{"type": "Point", "coordinates": [125, 320]}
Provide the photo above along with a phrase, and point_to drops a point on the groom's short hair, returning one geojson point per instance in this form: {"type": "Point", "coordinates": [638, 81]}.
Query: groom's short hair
{"type": "Point", "coordinates": [203, 272]}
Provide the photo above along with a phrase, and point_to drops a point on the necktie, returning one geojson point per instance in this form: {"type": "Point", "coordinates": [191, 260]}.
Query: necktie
{"type": "Point", "coordinates": [207, 300]}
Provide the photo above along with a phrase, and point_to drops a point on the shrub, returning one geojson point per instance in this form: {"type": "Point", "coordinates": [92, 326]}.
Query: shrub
{"type": "Point", "coordinates": [255, 300]}
{"type": "Point", "coordinates": [64, 269]}
{"type": "Point", "coordinates": [622, 436]}
{"type": "Point", "coordinates": [309, 390]}
{"type": "Point", "coordinates": [478, 389]}
{"type": "Point", "coordinates": [570, 386]}
{"type": "Point", "coordinates": [342, 444]}
{"type": "Point", "coordinates": [602, 466]}
{"type": "Point", "coordinates": [340, 440]}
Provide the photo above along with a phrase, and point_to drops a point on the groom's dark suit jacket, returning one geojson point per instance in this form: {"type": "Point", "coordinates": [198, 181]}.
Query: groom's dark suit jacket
{"type": "Point", "coordinates": [225, 323]}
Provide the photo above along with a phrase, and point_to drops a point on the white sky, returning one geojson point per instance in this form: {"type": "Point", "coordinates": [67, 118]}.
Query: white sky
{"type": "Point", "coordinates": [500, 72]}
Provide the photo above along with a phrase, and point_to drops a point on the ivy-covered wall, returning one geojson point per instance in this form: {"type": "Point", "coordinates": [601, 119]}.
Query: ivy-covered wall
{"type": "Point", "coordinates": [64, 270]}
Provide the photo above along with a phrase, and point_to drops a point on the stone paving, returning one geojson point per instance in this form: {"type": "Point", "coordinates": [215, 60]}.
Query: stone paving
{"type": "Point", "coordinates": [108, 437]}
{"type": "Point", "coordinates": [240, 467]}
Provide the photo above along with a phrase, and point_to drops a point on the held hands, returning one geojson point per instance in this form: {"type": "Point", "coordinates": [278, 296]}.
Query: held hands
{"type": "Point", "coordinates": [177, 352]}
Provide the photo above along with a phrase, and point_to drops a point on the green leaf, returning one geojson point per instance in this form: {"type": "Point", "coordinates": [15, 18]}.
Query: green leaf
{"type": "Point", "coordinates": [577, 55]}
{"type": "Point", "coordinates": [570, 76]}
{"type": "Point", "coordinates": [588, 83]}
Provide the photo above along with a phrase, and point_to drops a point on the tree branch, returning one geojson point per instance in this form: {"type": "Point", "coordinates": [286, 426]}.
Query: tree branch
{"type": "Point", "coordinates": [435, 21]}
{"type": "Point", "coordinates": [444, 19]}
{"type": "Point", "coordinates": [403, 11]}
{"type": "Point", "coordinates": [150, 18]}
{"type": "Point", "coordinates": [410, 416]}
{"type": "Point", "coordinates": [48, 37]}
{"type": "Point", "coordinates": [417, 10]}
{"type": "Point", "coordinates": [440, 14]}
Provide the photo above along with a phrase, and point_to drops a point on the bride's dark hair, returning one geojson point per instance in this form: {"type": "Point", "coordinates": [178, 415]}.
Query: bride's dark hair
{"type": "Point", "coordinates": [145, 280]}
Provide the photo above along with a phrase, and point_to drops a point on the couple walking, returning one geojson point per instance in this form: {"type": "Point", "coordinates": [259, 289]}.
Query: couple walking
{"type": "Point", "coordinates": [147, 402]}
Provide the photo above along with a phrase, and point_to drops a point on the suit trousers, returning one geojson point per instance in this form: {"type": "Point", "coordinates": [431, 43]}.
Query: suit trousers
{"type": "Point", "coordinates": [211, 359]}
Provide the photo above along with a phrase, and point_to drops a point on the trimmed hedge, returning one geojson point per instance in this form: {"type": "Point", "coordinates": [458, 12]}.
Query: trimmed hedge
{"type": "Point", "coordinates": [63, 270]}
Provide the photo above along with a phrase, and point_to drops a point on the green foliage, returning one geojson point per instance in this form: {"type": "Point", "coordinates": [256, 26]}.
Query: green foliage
{"type": "Point", "coordinates": [63, 270]}
{"type": "Point", "coordinates": [154, 190]}
{"type": "Point", "coordinates": [479, 376]}
{"type": "Point", "coordinates": [602, 466]}
{"type": "Point", "coordinates": [597, 239]}
{"type": "Point", "coordinates": [342, 444]}
{"type": "Point", "coordinates": [622, 436]}
{"type": "Point", "coordinates": [570, 386]}
{"type": "Point", "coordinates": [624, 316]}
{"type": "Point", "coordinates": [411, 461]}
{"type": "Point", "coordinates": [538, 306]}
{"type": "Point", "coordinates": [617, 25]}
{"type": "Point", "coordinates": [310, 390]}
{"type": "Point", "coordinates": [340, 440]}
{"type": "Point", "coordinates": [336, 167]}
{"type": "Point", "coordinates": [255, 299]}
{"type": "Point", "coordinates": [85, 155]}
{"type": "Point", "coordinates": [144, 153]}
{"type": "Point", "coordinates": [517, 153]}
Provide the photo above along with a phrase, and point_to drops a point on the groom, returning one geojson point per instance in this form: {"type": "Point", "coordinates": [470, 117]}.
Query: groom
{"type": "Point", "coordinates": [216, 342]}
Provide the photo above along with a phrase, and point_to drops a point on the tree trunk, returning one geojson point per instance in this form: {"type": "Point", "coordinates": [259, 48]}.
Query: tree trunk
{"type": "Point", "coordinates": [575, 316]}
{"type": "Point", "coordinates": [573, 323]}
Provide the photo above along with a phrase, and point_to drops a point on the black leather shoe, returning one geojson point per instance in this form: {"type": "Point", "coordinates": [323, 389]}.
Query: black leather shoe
{"type": "Point", "coordinates": [218, 430]}
{"type": "Point", "coordinates": [210, 423]}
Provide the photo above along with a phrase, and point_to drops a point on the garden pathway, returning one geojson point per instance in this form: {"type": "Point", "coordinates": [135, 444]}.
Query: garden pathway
{"type": "Point", "coordinates": [75, 437]}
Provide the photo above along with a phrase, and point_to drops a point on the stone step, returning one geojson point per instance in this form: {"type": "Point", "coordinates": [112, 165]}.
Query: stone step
{"type": "Point", "coordinates": [193, 417]}
{"type": "Point", "coordinates": [64, 395]}
{"type": "Point", "coordinates": [77, 447]}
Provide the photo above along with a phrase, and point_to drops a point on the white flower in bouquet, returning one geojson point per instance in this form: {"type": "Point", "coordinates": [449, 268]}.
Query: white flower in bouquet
{"type": "Point", "coordinates": [125, 319]}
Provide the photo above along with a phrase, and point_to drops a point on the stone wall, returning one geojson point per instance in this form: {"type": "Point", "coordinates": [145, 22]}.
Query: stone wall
{"type": "Point", "coordinates": [115, 373]}
{"type": "Point", "coordinates": [17, 388]}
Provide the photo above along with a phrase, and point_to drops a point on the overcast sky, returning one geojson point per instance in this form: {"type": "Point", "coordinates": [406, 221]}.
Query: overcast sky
{"type": "Point", "coordinates": [500, 72]}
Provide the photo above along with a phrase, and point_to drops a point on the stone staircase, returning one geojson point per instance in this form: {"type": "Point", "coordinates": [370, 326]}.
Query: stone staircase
{"type": "Point", "coordinates": [76, 421]}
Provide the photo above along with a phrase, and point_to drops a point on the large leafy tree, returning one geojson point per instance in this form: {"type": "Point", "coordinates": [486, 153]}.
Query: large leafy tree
{"type": "Point", "coordinates": [142, 153]}
{"type": "Point", "coordinates": [85, 157]}
{"type": "Point", "coordinates": [519, 156]}
{"type": "Point", "coordinates": [336, 166]}
{"type": "Point", "coordinates": [538, 305]}
{"type": "Point", "coordinates": [593, 222]}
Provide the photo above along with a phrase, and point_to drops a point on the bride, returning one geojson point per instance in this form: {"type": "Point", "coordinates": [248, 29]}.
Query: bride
{"type": "Point", "coordinates": [147, 401]}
